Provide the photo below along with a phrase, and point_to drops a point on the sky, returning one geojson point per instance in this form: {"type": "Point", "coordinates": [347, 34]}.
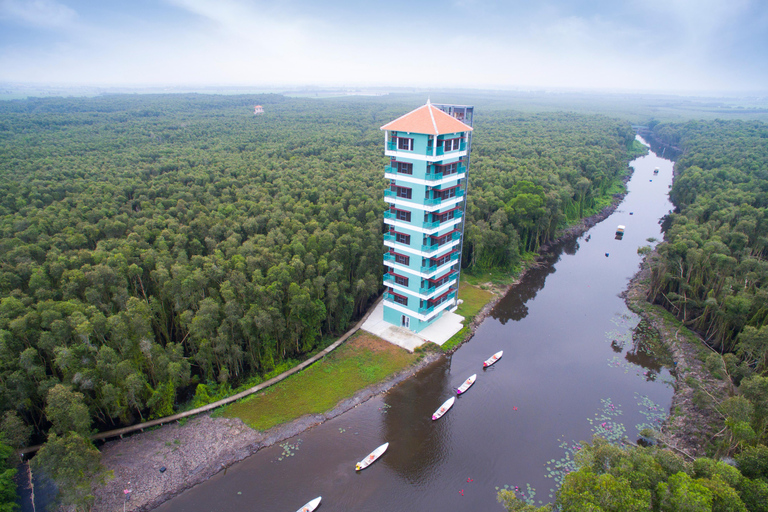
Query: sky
{"type": "Point", "coordinates": [610, 45]}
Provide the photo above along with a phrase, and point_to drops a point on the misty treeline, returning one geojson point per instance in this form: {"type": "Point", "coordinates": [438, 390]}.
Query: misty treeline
{"type": "Point", "coordinates": [158, 248]}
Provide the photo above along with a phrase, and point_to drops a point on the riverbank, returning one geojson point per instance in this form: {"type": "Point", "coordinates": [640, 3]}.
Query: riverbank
{"type": "Point", "coordinates": [692, 422]}
{"type": "Point", "coordinates": [193, 451]}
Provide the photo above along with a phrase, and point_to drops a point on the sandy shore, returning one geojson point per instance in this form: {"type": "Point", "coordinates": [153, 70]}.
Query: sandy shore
{"type": "Point", "coordinates": [193, 452]}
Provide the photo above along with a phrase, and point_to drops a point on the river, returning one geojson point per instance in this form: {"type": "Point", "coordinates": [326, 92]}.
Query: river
{"type": "Point", "coordinates": [570, 370]}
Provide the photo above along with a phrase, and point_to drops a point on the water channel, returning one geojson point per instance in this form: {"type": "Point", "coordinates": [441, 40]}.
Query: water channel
{"type": "Point", "coordinates": [570, 370]}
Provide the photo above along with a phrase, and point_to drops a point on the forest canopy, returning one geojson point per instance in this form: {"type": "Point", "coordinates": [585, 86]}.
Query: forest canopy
{"type": "Point", "coordinates": [149, 244]}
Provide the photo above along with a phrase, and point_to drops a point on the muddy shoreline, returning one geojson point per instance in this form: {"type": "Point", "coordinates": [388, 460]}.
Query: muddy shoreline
{"type": "Point", "coordinates": [691, 423]}
{"type": "Point", "coordinates": [191, 452]}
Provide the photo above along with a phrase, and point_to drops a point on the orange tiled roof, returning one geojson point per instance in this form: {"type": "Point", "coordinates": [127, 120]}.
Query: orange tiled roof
{"type": "Point", "coordinates": [427, 119]}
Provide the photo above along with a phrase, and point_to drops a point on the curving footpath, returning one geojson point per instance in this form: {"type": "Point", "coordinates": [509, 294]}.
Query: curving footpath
{"type": "Point", "coordinates": [120, 432]}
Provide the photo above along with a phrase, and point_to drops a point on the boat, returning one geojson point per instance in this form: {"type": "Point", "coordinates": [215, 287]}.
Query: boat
{"type": "Point", "coordinates": [656, 171]}
{"type": "Point", "coordinates": [443, 408]}
{"type": "Point", "coordinates": [495, 357]}
{"type": "Point", "coordinates": [466, 384]}
{"type": "Point", "coordinates": [312, 505]}
{"type": "Point", "coordinates": [371, 458]}
{"type": "Point", "coordinates": [620, 232]}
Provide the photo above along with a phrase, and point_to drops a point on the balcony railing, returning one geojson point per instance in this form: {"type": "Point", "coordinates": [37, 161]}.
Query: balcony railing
{"type": "Point", "coordinates": [431, 287]}
{"type": "Point", "coordinates": [437, 175]}
{"type": "Point", "coordinates": [389, 279]}
{"type": "Point", "coordinates": [429, 309]}
{"type": "Point", "coordinates": [438, 200]}
{"type": "Point", "coordinates": [425, 269]}
{"type": "Point", "coordinates": [433, 247]}
{"type": "Point", "coordinates": [462, 147]}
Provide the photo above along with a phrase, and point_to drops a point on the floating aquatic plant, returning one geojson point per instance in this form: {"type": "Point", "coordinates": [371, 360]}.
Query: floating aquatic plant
{"type": "Point", "coordinates": [655, 414]}
{"type": "Point", "coordinates": [289, 450]}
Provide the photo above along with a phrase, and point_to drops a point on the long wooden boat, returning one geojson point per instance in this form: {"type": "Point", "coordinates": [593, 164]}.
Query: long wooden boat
{"type": "Point", "coordinates": [466, 384]}
{"type": "Point", "coordinates": [444, 408]}
{"type": "Point", "coordinates": [495, 357]}
{"type": "Point", "coordinates": [371, 458]}
{"type": "Point", "coordinates": [312, 505]}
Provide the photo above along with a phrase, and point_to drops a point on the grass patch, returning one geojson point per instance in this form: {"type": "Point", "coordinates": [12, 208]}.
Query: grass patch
{"type": "Point", "coordinates": [456, 339]}
{"type": "Point", "coordinates": [474, 298]}
{"type": "Point", "coordinates": [363, 360]}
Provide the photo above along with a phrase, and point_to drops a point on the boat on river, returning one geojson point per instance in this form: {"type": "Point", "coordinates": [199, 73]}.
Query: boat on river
{"type": "Point", "coordinates": [443, 408]}
{"type": "Point", "coordinates": [312, 505]}
{"type": "Point", "coordinates": [466, 384]}
{"type": "Point", "coordinates": [371, 458]}
{"type": "Point", "coordinates": [656, 171]}
{"type": "Point", "coordinates": [495, 357]}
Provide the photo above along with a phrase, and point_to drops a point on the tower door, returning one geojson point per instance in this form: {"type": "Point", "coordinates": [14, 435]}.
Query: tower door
{"type": "Point", "coordinates": [405, 321]}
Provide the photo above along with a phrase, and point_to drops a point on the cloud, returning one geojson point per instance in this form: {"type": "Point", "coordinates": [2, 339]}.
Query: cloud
{"type": "Point", "coordinates": [38, 13]}
{"type": "Point", "coordinates": [648, 45]}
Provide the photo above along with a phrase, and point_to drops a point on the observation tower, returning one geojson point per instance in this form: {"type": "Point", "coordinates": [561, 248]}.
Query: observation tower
{"type": "Point", "coordinates": [429, 162]}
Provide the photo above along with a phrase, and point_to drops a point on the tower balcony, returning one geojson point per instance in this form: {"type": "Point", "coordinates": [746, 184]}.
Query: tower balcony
{"type": "Point", "coordinates": [429, 248]}
{"type": "Point", "coordinates": [426, 226]}
{"type": "Point", "coordinates": [433, 285]}
{"type": "Point", "coordinates": [434, 307]}
{"type": "Point", "coordinates": [433, 174]}
{"type": "Point", "coordinates": [435, 201]}
{"type": "Point", "coordinates": [433, 267]}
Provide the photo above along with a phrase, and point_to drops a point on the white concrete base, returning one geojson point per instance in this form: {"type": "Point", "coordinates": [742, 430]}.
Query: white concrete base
{"type": "Point", "coordinates": [439, 332]}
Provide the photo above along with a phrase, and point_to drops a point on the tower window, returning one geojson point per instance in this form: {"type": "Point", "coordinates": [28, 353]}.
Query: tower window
{"type": "Point", "coordinates": [405, 144]}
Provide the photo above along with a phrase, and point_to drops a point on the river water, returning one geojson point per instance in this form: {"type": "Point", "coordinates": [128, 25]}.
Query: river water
{"type": "Point", "coordinates": [570, 370]}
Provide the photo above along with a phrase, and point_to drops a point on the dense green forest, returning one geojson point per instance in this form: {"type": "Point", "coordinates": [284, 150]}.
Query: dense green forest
{"type": "Point", "coordinates": [152, 243]}
{"type": "Point", "coordinates": [709, 272]}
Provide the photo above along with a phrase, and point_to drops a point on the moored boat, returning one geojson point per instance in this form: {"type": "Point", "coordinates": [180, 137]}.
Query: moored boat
{"type": "Point", "coordinates": [495, 357]}
{"type": "Point", "coordinates": [466, 384]}
{"type": "Point", "coordinates": [312, 505]}
{"type": "Point", "coordinates": [371, 458]}
{"type": "Point", "coordinates": [444, 408]}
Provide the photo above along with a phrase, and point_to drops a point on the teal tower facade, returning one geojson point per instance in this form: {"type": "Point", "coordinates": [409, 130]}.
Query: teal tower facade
{"type": "Point", "coordinates": [429, 162]}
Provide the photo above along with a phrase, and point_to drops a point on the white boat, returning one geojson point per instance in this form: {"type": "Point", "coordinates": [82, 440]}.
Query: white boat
{"type": "Point", "coordinates": [466, 384]}
{"type": "Point", "coordinates": [656, 171]}
{"type": "Point", "coordinates": [312, 505]}
{"type": "Point", "coordinates": [495, 357]}
{"type": "Point", "coordinates": [444, 408]}
{"type": "Point", "coordinates": [371, 458]}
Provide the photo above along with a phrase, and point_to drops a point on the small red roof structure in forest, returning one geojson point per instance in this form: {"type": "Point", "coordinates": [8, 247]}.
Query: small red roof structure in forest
{"type": "Point", "coordinates": [427, 119]}
{"type": "Point", "coordinates": [258, 109]}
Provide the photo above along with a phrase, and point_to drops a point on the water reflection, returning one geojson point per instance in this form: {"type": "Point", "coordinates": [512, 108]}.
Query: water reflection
{"type": "Point", "coordinates": [513, 305]}
{"type": "Point", "coordinates": [421, 443]}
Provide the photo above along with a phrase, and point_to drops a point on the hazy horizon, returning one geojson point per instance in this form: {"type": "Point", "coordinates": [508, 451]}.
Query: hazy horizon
{"type": "Point", "coordinates": [649, 46]}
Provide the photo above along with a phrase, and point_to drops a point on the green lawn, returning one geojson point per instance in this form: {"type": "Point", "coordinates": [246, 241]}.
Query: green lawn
{"type": "Point", "coordinates": [363, 360]}
{"type": "Point", "coordinates": [474, 298]}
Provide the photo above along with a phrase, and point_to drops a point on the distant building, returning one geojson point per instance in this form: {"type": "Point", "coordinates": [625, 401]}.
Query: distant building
{"type": "Point", "coordinates": [429, 150]}
{"type": "Point", "coordinates": [258, 109]}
